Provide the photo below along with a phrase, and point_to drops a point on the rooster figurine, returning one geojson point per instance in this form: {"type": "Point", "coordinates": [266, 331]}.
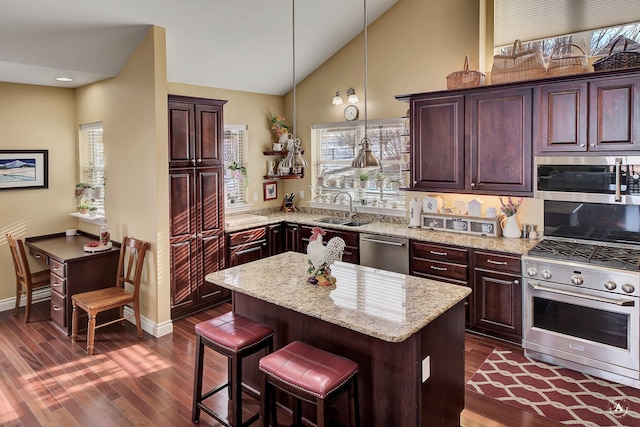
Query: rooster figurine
{"type": "Point", "coordinates": [321, 257]}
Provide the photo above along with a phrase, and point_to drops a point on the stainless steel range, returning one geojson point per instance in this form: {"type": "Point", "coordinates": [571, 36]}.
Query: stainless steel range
{"type": "Point", "coordinates": [581, 294]}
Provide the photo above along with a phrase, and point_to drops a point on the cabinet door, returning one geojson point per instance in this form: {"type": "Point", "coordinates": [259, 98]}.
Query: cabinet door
{"type": "Point", "coordinates": [438, 146]}
{"type": "Point", "coordinates": [183, 238]}
{"type": "Point", "coordinates": [614, 114]}
{"type": "Point", "coordinates": [181, 134]}
{"type": "Point", "coordinates": [210, 216]}
{"type": "Point", "coordinates": [500, 133]}
{"type": "Point", "coordinates": [292, 238]}
{"type": "Point", "coordinates": [275, 239]}
{"type": "Point", "coordinates": [208, 142]}
{"type": "Point", "coordinates": [561, 109]}
{"type": "Point", "coordinates": [498, 298]}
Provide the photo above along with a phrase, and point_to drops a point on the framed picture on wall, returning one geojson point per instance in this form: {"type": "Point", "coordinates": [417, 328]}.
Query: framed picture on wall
{"type": "Point", "coordinates": [24, 169]}
{"type": "Point", "coordinates": [270, 190]}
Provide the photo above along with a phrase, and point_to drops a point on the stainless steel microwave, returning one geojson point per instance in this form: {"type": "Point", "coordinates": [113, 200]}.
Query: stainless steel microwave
{"type": "Point", "coordinates": [597, 179]}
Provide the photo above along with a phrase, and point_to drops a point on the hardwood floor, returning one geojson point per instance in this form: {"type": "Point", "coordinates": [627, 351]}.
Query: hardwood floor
{"type": "Point", "coordinates": [47, 380]}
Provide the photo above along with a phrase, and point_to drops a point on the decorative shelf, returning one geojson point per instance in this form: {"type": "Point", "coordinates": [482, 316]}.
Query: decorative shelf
{"type": "Point", "coordinates": [278, 153]}
{"type": "Point", "coordinates": [289, 176]}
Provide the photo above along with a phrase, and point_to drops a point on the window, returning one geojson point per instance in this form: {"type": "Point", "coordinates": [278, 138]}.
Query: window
{"type": "Point", "coordinates": [235, 146]}
{"type": "Point", "coordinates": [337, 145]}
{"type": "Point", "coordinates": [92, 164]}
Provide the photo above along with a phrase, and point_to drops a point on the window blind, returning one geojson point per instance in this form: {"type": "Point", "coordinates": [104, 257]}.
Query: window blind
{"type": "Point", "coordinates": [533, 20]}
{"type": "Point", "coordinates": [235, 146]}
{"type": "Point", "coordinates": [92, 161]}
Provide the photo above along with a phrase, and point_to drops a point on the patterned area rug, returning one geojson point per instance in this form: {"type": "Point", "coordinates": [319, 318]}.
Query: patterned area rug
{"type": "Point", "coordinates": [557, 393]}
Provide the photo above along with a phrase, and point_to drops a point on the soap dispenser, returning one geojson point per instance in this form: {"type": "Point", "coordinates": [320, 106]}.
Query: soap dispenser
{"type": "Point", "coordinates": [415, 212]}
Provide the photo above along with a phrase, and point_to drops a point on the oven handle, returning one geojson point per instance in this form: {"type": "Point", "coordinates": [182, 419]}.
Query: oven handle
{"type": "Point", "coordinates": [618, 180]}
{"type": "Point", "coordinates": [620, 302]}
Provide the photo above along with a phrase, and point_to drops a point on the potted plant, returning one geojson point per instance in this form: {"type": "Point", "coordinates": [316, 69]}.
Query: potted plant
{"type": "Point", "coordinates": [93, 211]}
{"type": "Point", "coordinates": [395, 182]}
{"type": "Point", "coordinates": [239, 172]}
{"type": "Point", "coordinates": [80, 188]}
{"type": "Point", "coordinates": [380, 176]}
{"type": "Point", "coordinates": [83, 209]}
{"type": "Point", "coordinates": [364, 180]}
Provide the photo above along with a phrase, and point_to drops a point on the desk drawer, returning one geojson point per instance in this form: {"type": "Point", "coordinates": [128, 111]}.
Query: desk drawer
{"type": "Point", "coordinates": [58, 284]}
{"type": "Point", "coordinates": [40, 256]}
{"type": "Point", "coordinates": [57, 268]}
{"type": "Point", "coordinates": [58, 310]}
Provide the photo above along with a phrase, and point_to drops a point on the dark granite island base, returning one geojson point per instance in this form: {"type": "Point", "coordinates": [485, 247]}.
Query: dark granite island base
{"type": "Point", "coordinates": [423, 325]}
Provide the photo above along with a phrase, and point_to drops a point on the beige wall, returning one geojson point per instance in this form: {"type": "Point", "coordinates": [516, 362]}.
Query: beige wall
{"type": "Point", "coordinates": [37, 117]}
{"type": "Point", "coordinates": [132, 108]}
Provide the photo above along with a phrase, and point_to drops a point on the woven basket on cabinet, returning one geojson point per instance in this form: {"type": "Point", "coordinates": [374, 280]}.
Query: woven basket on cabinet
{"type": "Point", "coordinates": [518, 66]}
{"type": "Point", "coordinates": [562, 65]}
{"type": "Point", "coordinates": [465, 78]}
{"type": "Point", "coordinates": [617, 60]}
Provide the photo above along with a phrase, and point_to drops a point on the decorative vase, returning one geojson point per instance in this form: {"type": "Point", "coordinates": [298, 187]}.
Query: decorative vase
{"type": "Point", "coordinates": [284, 138]}
{"type": "Point", "coordinates": [510, 227]}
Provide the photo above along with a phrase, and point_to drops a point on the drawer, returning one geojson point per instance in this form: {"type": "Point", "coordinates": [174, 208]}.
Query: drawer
{"type": "Point", "coordinates": [58, 311]}
{"type": "Point", "coordinates": [58, 268]}
{"type": "Point", "coordinates": [437, 269]}
{"type": "Point", "coordinates": [247, 236]}
{"type": "Point", "coordinates": [58, 284]}
{"type": "Point", "coordinates": [40, 256]}
{"type": "Point", "coordinates": [497, 262]}
{"type": "Point", "coordinates": [440, 253]}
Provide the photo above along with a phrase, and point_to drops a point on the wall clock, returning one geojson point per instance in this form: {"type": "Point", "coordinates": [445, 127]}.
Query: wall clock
{"type": "Point", "coordinates": [351, 112]}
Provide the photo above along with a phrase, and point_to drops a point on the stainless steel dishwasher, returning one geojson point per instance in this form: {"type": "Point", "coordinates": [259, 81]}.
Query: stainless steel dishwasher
{"type": "Point", "coordinates": [384, 252]}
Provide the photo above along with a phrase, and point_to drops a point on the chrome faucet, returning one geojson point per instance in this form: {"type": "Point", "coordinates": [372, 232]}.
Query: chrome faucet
{"type": "Point", "coordinates": [352, 210]}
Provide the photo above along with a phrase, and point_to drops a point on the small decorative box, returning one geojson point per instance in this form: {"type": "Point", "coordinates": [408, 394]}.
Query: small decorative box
{"type": "Point", "coordinates": [461, 224]}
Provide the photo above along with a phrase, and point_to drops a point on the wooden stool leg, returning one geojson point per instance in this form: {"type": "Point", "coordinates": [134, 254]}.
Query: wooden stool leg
{"type": "Point", "coordinates": [297, 412]}
{"type": "Point", "coordinates": [354, 406]}
{"type": "Point", "coordinates": [236, 396]}
{"type": "Point", "coordinates": [265, 402]}
{"type": "Point", "coordinates": [74, 324]}
{"type": "Point", "coordinates": [91, 332]}
{"type": "Point", "coordinates": [197, 380]}
{"type": "Point", "coordinates": [229, 382]}
{"type": "Point", "coordinates": [321, 412]}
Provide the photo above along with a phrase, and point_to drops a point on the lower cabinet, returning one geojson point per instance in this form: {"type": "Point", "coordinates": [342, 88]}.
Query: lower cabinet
{"type": "Point", "coordinates": [351, 239]}
{"type": "Point", "coordinates": [498, 295]}
{"type": "Point", "coordinates": [443, 263]}
{"type": "Point", "coordinates": [246, 246]}
{"type": "Point", "coordinates": [292, 237]}
{"type": "Point", "coordinates": [275, 239]}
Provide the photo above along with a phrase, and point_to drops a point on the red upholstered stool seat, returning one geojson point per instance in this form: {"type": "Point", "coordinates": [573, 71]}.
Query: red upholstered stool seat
{"type": "Point", "coordinates": [310, 374]}
{"type": "Point", "coordinates": [236, 337]}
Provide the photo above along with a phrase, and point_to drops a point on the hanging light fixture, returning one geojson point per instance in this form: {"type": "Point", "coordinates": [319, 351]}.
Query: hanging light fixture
{"type": "Point", "coordinates": [294, 159]}
{"type": "Point", "coordinates": [365, 158]}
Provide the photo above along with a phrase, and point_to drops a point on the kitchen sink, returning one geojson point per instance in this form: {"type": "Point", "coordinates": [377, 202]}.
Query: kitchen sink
{"type": "Point", "coordinates": [346, 222]}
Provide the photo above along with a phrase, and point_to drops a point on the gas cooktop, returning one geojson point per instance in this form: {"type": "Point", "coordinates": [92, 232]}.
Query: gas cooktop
{"type": "Point", "coordinates": [592, 253]}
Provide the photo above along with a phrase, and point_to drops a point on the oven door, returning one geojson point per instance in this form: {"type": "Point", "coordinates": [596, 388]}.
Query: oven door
{"type": "Point", "coordinates": [587, 327]}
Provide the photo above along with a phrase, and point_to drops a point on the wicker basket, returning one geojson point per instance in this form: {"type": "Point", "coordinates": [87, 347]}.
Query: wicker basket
{"type": "Point", "coordinates": [518, 66]}
{"type": "Point", "coordinates": [562, 65]}
{"type": "Point", "coordinates": [465, 78]}
{"type": "Point", "coordinates": [617, 60]}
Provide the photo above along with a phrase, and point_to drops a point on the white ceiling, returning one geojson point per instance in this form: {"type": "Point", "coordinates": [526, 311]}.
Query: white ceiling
{"type": "Point", "coordinates": [232, 44]}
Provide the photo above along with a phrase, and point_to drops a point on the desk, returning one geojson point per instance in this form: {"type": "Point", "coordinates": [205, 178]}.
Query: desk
{"type": "Point", "coordinates": [390, 324]}
{"type": "Point", "coordinates": [72, 270]}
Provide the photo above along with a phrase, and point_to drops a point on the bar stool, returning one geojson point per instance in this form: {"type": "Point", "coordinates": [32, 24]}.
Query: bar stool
{"type": "Point", "coordinates": [235, 337]}
{"type": "Point", "coordinates": [310, 374]}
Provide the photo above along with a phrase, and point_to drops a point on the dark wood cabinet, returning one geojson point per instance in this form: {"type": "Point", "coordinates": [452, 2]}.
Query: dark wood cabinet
{"type": "Point", "coordinates": [196, 204]}
{"type": "Point", "coordinates": [351, 238]}
{"type": "Point", "coordinates": [443, 263]}
{"type": "Point", "coordinates": [275, 239]}
{"type": "Point", "coordinates": [438, 156]}
{"type": "Point", "coordinates": [479, 142]}
{"type": "Point", "coordinates": [195, 130]}
{"type": "Point", "coordinates": [292, 237]}
{"type": "Point", "coordinates": [247, 245]}
{"type": "Point", "coordinates": [614, 114]}
{"type": "Point", "coordinates": [561, 110]}
{"type": "Point", "coordinates": [498, 295]}
{"type": "Point", "coordinates": [499, 129]}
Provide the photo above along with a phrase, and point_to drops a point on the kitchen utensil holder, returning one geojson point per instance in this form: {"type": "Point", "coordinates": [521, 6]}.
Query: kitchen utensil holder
{"type": "Point", "coordinates": [474, 224]}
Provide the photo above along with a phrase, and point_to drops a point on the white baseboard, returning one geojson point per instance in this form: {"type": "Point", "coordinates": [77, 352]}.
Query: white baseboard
{"type": "Point", "coordinates": [40, 295]}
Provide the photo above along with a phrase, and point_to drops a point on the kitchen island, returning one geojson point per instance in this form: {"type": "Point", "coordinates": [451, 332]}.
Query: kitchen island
{"type": "Point", "coordinates": [406, 333]}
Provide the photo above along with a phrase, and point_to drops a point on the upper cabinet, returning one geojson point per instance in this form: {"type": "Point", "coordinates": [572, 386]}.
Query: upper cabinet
{"type": "Point", "coordinates": [598, 115]}
{"type": "Point", "coordinates": [195, 132]}
{"type": "Point", "coordinates": [476, 142]}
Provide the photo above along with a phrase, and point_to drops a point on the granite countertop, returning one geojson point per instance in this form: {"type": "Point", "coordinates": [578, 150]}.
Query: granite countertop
{"type": "Point", "coordinates": [499, 244]}
{"type": "Point", "coordinates": [385, 305]}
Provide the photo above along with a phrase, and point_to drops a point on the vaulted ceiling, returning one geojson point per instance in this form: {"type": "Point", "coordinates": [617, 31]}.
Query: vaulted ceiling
{"type": "Point", "coordinates": [232, 44]}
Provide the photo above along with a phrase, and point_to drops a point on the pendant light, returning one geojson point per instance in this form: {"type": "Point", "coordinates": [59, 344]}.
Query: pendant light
{"type": "Point", "coordinates": [365, 158]}
{"type": "Point", "coordinates": [294, 157]}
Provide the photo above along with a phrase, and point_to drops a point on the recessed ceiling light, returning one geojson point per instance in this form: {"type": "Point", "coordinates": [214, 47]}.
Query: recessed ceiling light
{"type": "Point", "coordinates": [64, 79]}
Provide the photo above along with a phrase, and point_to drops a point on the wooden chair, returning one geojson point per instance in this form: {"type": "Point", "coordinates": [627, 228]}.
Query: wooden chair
{"type": "Point", "coordinates": [130, 264]}
{"type": "Point", "coordinates": [26, 281]}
